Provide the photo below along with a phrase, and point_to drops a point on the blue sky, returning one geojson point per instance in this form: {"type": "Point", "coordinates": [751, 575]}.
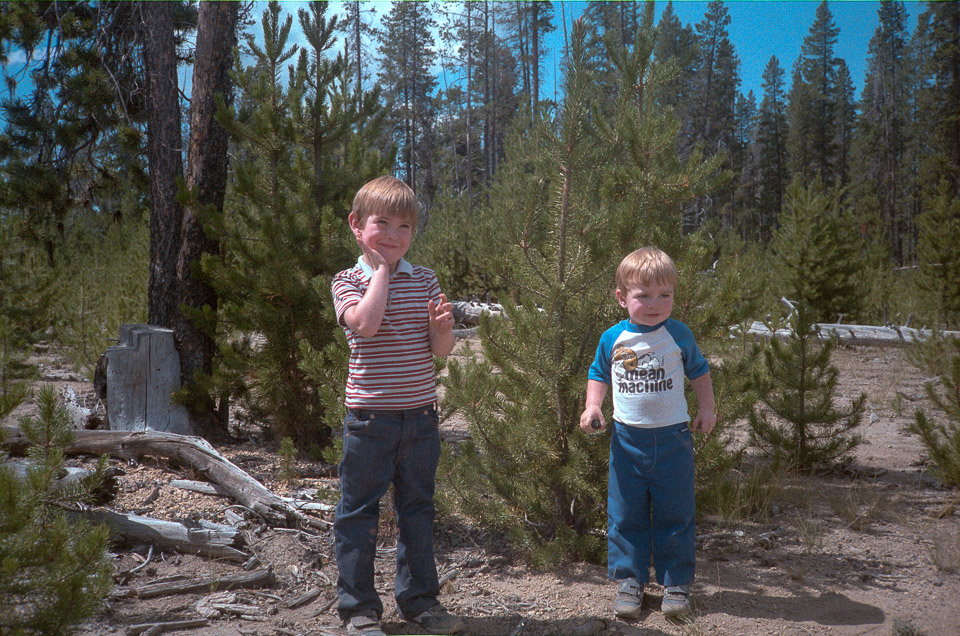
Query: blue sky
{"type": "Point", "coordinates": [761, 28]}
{"type": "Point", "coordinates": [758, 29]}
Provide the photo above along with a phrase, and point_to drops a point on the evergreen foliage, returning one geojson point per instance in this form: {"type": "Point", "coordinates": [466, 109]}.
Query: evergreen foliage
{"type": "Point", "coordinates": [562, 214]}
{"type": "Point", "coordinates": [101, 284]}
{"type": "Point", "coordinates": [27, 288]}
{"type": "Point", "coordinates": [303, 147]}
{"type": "Point", "coordinates": [942, 439]}
{"type": "Point", "coordinates": [771, 152]}
{"type": "Point", "coordinates": [54, 569]}
{"type": "Point", "coordinates": [818, 254]}
{"type": "Point", "coordinates": [939, 256]}
{"type": "Point", "coordinates": [798, 424]}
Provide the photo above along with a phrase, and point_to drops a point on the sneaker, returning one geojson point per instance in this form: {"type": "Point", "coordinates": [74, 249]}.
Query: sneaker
{"type": "Point", "coordinates": [364, 625]}
{"type": "Point", "coordinates": [437, 620]}
{"type": "Point", "coordinates": [676, 602]}
{"type": "Point", "coordinates": [629, 601]}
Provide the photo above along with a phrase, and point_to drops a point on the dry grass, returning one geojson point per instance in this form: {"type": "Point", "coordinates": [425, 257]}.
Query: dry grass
{"type": "Point", "coordinates": [859, 506]}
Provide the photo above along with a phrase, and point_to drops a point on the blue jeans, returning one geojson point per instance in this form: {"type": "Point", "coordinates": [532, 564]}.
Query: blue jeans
{"type": "Point", "coordinates": [650, 504]}
{"type": "Point", "coordinates": [380, 447]}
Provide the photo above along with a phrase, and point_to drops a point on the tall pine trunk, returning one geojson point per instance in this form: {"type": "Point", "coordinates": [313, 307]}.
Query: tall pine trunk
{"type": "Point", "coordinates": [166, 164]}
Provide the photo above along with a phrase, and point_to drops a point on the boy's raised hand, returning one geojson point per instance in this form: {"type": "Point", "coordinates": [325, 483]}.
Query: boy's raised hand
{"type": "Point", "coordinates": [441, 315]}
{"type": "Point", "coordinates": [374, 258]}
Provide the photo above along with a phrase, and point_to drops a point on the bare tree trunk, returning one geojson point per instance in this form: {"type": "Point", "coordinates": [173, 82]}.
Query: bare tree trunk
{"type": "Point", "coordinates": [535, 55]}
{"type": "Point", "coordinates": [166, 163]}
{"type": "Point", "coordinates": [207, 179]}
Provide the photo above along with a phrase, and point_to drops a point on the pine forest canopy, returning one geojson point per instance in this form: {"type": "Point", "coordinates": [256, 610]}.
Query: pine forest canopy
{"type": "Point", "coordinates": [241, 160]}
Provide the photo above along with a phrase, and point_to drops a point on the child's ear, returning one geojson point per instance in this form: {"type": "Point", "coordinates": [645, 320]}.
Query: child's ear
{"type": "Point", "coordinates": [354, 222]}
{"type": "Point", "coordinates": [621, 298]}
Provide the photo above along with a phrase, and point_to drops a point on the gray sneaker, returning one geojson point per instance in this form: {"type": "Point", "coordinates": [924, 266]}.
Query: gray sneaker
{"type": "Point", "coordinates": [629, 601]}
{"type": "Point", "coordinates": [676, 602]}
{"type": "Point", "coordinates": [437, 620]}
{"type": "Point", "coordinates": [364, 625]}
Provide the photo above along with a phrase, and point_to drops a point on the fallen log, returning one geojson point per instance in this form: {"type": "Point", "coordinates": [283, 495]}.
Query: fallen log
{"type": "Point", "coordinates": [70, 477]}
{"type": "Point", "coordinates": [150, 629]}
{"type": "Point", "coordinates": [195, 452]}
{"type": "Point", "coordinates": [857, 334]}
{"type": "Point", "coordinates": [202, 537]}
{"type": "Point", "coordinates": [260, 578]}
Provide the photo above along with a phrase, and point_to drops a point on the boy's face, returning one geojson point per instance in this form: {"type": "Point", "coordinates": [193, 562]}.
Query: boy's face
{"type": "Point", "coordinates": [647, 304]}
{"type": "Point", "coordinates": [387, 234]}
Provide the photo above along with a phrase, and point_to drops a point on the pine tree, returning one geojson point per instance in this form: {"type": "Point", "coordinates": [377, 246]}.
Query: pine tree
{"type": "Point", "coordinates": [406, 56]}
{"type": "Point", "coordinates": [563, 211]}
{"type": "Point", "coordinates": [942, 440]}
{"type": "Point", "coordinates": [714, 102]}
{"type": "Point", "coordinates": [939, 257]}
{"type": "Point", "coordinates": [677, 42]}
{"type": "Point", "coordinates": [818, 254]}
{"type": "Point", "coordinates": [27, 293]}
{"type": "Point", "coordinates": [798, 425]}
{"type": "Point", "coordinates": [771, 150]}
{"type": "Point", "coordinates": [71, 146]}
{"type": "Point", "coordinates": [303, 148]}
{"type": "Point", "coordinates": [881, 139]}
{"type": "Point", "coordinates": [357, 29]}
{"type": "Point", "coordinates": [54, 568]}
{"type": "Point", "coordinates": [813, 103]}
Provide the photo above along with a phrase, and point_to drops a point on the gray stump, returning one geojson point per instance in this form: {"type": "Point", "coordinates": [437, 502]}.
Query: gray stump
{"type": "Point", "coordinates": [142, 373]}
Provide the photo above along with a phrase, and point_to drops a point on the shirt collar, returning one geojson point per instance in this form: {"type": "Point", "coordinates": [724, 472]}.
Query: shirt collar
{"type": "Point", "coordinates": [403, 267]}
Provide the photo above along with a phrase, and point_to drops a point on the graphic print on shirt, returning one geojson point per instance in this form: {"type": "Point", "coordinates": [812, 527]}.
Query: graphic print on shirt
{"type": "Point", "coordinates": [639, 374]}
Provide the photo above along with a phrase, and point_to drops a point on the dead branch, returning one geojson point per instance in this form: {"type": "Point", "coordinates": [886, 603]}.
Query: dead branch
{"type": "Point", "coordinates": [195, 452]}
{"type": "Point", "coordinates": [260, 578]}
{"type": "Point", "coordinates": [202, 537]}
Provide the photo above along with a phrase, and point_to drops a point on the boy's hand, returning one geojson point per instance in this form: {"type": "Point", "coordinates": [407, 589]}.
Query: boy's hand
{"type": "Point", "coordinates": [374, 259]}
{"type": "Point", "coordinates": [590, 416]}
{"type": "Point", "coordinates": [441, 315]}
{"type": "Point", "coordinates": [704, 421]}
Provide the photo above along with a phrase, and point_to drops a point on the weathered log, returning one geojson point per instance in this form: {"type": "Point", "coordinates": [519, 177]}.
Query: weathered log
{"type": "Point", "coordinates": [195, 452]}
{"type": "Point", "coordinates": [858, 334]}
{"type": "Point", "coordinates": [260, 578]}
{"type": "Point", "coordinates": [70, 477]}
{"type": "Point", "coordinates": [468, 313]}
{"type": "Point", "coordinates": [213, 489]}
{"type": "Point", "coordinates": [148, 629]}
{"type": "Point", "coordinates": [202, 537]}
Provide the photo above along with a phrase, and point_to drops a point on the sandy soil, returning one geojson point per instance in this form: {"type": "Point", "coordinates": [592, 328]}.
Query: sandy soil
{"type": "Point", "coordinates": [871, 551]}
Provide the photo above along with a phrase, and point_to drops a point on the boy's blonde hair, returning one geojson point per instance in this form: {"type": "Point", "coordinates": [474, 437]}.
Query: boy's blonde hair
{"type": "Point", "coordinates": [645, 266]}
{"type": "Point", "coordinates": [385, 195]}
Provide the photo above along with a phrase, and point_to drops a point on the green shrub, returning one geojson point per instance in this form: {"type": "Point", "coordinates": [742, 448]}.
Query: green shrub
{"type": "Point", "coordinates": [54, 569]}
{"type": "Point", "coordinates": [797, 424]}
{"type": "Point", "coordinates": [942, 439]}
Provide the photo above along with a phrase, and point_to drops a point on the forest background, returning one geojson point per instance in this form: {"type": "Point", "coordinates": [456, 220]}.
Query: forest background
{"type": "Point", "coordinates": [222, 214]}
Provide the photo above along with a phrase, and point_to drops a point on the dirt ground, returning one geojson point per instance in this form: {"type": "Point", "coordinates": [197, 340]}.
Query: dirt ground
{"type": "Point", "coordinates": [871, 551]}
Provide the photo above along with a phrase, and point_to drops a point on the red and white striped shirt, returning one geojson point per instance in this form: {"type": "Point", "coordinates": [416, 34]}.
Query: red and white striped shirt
{"type": "Point", "coordinates": [393, 369]}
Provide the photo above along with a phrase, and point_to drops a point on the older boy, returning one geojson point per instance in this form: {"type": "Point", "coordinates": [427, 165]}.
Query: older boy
{"type": "Point", "coordinates": [396, 319]}
{"type": "Point", "coordinates": [650, 499]}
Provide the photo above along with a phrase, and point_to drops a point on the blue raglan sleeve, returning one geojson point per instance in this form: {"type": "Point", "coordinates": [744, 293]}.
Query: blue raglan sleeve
{"type": "Point", "coordinates": [694, 364]}
{"type": "Point", "coordinates": [602, 362]}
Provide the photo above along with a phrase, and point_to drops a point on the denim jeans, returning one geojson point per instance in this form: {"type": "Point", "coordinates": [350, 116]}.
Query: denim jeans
{"type": "Point", "coordinates": [380, 448]}
{"type": "Point", "coordinates": [650, 504]}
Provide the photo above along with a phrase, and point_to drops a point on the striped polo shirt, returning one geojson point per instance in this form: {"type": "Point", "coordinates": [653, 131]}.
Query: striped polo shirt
{"type": "Point", "coordinates": [394, 368]}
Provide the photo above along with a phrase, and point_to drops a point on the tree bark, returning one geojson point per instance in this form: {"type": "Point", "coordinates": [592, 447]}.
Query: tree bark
{"type": "Point", "coordinates": [207, 180]}
{"type": "Point", "coordinates": [165, 161]}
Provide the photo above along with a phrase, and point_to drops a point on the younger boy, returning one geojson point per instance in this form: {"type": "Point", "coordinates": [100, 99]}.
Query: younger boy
{"type": "Point", "coordinates": [396, 320]}
{"type": "Point", "coordinates": [650, 500]}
